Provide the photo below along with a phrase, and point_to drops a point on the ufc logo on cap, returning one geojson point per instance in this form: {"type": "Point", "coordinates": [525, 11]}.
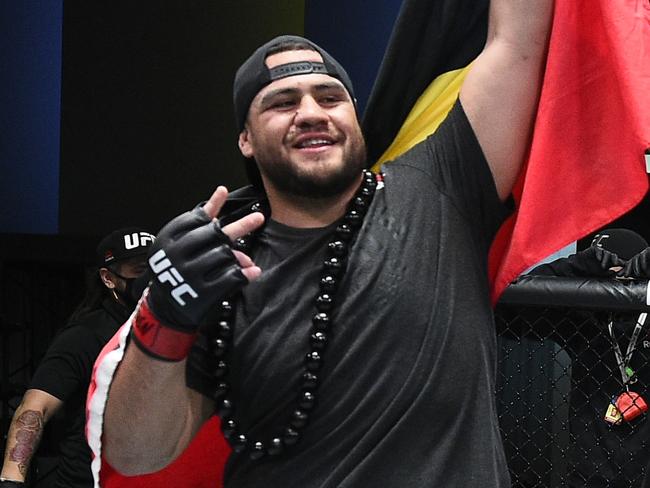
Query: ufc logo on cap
{"type": "Point", "coordinates": [166, 273]}
{"type": "Point", "coordinates": [137, 239]}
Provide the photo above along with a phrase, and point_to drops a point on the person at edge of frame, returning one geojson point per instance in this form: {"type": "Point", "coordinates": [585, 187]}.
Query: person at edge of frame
{"type": "Point", "coordinates": [341, 326]}
{"type": "Point", "coordinates": [610, 364]}
{"type": "Point", "coordinates": [60, 382]}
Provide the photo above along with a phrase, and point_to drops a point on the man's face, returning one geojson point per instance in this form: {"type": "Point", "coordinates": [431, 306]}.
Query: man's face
{"type": "Point", "coordinates": [303, 132]}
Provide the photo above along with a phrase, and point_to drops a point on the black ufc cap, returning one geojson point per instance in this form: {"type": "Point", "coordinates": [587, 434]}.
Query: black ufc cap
{"type": "Point", "coordinates": [123, 244]}
{"type": "Point", "coordinates": [253, 74]}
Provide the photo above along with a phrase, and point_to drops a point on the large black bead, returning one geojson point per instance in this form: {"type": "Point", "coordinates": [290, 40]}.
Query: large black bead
{"type": "Point", "coordinates": [239, 442]}
{"type": "Point", "coordinates": [344, 232]}
{"type": "Point", "coordinates": [360, 204]}
{"type": "Point", "coordinates": [313, 361]}
{"type": "Point", "coordinates": [309, 380]}
{"type": "Point", "coordinates": [219, 347]}
{"type": "Point", "coordinates": [333, 266]}
{"type": "Point", "coordinates": [321, 321]}
{"type": "Point", "coordinates": [299, 419]}
{"type": "Point", "coordinates": [324, 302]}
{"type": "Point", "coordinates": [307, 400]}
{"type": "Point", "coordinates": [225, 408]}
{"type": "Point", "coordinates": [221, 390]}
{"type": "Point", "coordinates": [226, 309]}
{"type": "Point", "coordinates": [242, 244]}
{"type": "Point", "coordinates": [221, 369]}
{"type": "Point", "coordinates": [367, 192]}
{"type": "Point", "coordinates": [290, 436]}
{"type": "Point", "coordinates": [224, 329]}
{"type": "Point", "coordinates": [318, 341]}
{"type": "Point", "coordinates": [276, 446]}
{"type": "Point", "coordinates": [328, 283]}
{"type": "Point", "coordinates": [337, 248]}
{"type": "Point", "coordinates": [354, 218]}
{"type": "Point", "coordinates": [369, 180]}
{"type": "Point", "coordinates": [229, 428]}
{"type": "Point", "coordinates": [258, 451]}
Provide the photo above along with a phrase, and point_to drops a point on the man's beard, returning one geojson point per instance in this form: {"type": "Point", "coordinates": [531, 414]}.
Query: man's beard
{"type": "Point", "coordinates": [286, 179]}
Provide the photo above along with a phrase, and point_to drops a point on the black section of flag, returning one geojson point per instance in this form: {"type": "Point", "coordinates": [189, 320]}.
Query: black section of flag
{"type": "Point", "coordinates": [429, 38]}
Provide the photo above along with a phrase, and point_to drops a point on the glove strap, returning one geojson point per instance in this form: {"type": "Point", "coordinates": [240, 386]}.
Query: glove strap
{"type": "Point", "coordinates": [158, 340]}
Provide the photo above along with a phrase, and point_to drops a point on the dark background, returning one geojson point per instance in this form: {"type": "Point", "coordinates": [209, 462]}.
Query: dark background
{"type": "Point", "coordinates": [131, 119]}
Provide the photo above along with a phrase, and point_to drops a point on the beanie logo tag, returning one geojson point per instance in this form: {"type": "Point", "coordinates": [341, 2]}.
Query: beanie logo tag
{"type": "Point", "coordinates": [598, 239]}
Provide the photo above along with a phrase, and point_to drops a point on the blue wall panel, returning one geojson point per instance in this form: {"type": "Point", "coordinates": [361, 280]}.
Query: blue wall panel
{"type": "Point", "coordinates": [355, 32]}
{"type": "Point", "coordinates": [30, 94]}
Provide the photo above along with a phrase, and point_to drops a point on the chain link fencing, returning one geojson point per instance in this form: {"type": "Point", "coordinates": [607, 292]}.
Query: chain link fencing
{"type": "Point", "coordinates": [572, 409]}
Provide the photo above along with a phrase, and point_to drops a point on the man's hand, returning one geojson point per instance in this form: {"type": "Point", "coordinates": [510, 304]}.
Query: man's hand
{"type": "Point", "coordinates": [194, 267]}
{"type": "Point", "coordinates": [595, 262]}
{"type": "Point", "coordinates": [637, 266]}
{"type": "Point", "coordinates": [236, 229]}
{"type": "Point", "coordinates": [607, 259]}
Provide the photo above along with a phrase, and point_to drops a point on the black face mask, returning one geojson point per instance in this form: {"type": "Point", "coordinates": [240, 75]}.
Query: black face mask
{"type": "Point", "coordinates": [133, 289]}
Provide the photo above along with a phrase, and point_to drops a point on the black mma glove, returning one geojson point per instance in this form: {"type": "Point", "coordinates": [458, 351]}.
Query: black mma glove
{"type": "Point", "coordinates": [193, 268]}
{"type": "Point", "coordinates": [637, 266]}
{"type": "Point", "coordinates": [593, 262]}
{"type": "Point", "coordinates": [606, 259]}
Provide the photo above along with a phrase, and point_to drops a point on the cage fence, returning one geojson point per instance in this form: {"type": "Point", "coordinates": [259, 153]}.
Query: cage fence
{"type": "Point", "coordinates": [572, 385]}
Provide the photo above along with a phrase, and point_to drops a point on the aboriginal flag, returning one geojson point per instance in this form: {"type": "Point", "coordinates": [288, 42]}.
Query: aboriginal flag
{"type": "Point", "coordinates": [585, 167]}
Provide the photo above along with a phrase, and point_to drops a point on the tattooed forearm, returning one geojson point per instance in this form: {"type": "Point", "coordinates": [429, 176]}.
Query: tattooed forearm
{"type": "Point", "coordinates": [28, 430]}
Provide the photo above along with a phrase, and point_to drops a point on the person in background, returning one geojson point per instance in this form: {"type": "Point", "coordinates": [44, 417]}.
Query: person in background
{"type": "Point", "coordinates": [61, 380]}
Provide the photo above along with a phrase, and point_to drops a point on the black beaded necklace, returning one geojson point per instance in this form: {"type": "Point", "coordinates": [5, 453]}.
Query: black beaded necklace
{"type": "Point", "coordinates": [220, 339]}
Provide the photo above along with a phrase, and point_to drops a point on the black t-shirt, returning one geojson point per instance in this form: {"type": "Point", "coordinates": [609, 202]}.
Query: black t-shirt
{"type": "Point", "coordinates": [407, 388]}
{"type": "Point", "coordinates": [601, 455]}
{"type": "Point", "coordinates": [64, 372]}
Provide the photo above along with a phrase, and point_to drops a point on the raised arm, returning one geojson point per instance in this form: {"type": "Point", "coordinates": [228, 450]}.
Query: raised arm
{"type": "Point", "coordinates": [501, 91]}
{"type": "Point", "coordinates": [25, 432]}
{"type": "Point", "coordinates": [151, 415]}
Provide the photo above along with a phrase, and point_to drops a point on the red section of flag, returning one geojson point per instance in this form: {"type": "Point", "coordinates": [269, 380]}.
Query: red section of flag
{"type": "Point", "coordinates": [586, 165]}
{"type": "Point", "coordinates": [200, 466]}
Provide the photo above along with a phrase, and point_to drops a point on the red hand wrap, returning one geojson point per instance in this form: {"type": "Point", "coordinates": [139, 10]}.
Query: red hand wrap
{"type": "Point", "coordinates": [158, 340]}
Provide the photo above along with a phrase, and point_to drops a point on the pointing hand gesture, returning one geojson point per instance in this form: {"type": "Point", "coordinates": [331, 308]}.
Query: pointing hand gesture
{"type": "Point", "coordinates": [194, 268]}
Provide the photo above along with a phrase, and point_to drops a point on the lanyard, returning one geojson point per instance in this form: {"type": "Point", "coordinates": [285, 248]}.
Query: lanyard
{"type": "Point", "coordinates": [624, 362]}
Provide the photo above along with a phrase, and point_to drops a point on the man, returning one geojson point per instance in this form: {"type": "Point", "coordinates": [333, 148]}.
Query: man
{"type": "Point", "coordinates": [356, 345]}
{"type": "Point", "coordinates": [608, 358]}
{"type": "Point", "coordinates": [61, 380]}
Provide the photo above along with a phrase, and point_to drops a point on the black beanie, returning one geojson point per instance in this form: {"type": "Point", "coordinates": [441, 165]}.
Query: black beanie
{"type": "Point", "coordinates": [623, 242]}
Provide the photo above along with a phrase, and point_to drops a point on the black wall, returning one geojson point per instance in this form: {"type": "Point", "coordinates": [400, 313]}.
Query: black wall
{"type": "Point", "coordinates": [147, 127]}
